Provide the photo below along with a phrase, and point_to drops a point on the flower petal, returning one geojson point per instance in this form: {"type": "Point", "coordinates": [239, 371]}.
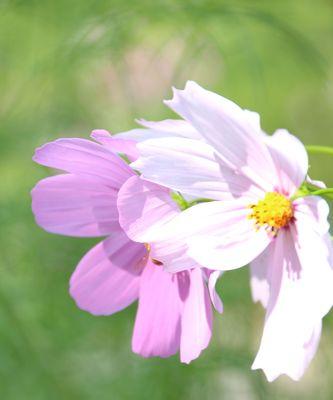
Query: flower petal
{"type": "Point", "coordinates": [319, 184]}
{"type": "Point", "coordinates": [196, 319]}
{"type": "Point", "coordinates": [214, 297]}
{"type": "Point", "coordinates": [143, 208]}
{"type": "Point", "coordinates": [226, 127]}
{"type": "Point", "coordinates": [157, 325]}
{"type": "Point", "coordinates": [219, 234]}
{"type": "Point", "coordinates": [290, 158]}
{"type": "Point", "coordinates": [191, 167]}
{"type": "Point", "coordinates": [301, 280]}
{"type": "Point", "coordinates": [172, 254]}
{"type": "Point", "coordinates": [253, 118]}
{"type": "Point", "coordinates": [107, 278]}
{"type": "Point", "coordinates": [75, 205]}
{"type": "Point", "coordinates": [161, 129]}
{"type": "Point", "coordinates": [314, 211]}
{"type": "Point", "coordinates": [115, 144]}
{"type": "Point", "coordinates": [259, 280]}
{"type": "Point", "coordinates": [80, 156]}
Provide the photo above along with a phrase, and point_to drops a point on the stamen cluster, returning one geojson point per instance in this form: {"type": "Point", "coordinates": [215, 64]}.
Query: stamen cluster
{"type": "Point", "coordinates": [274, 211]}
{"type": "Point", "coordinates": [154, 261]}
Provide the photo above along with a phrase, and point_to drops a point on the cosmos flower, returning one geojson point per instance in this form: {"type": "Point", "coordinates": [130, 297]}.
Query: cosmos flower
{"type": "Point", "coordinates": [256, 216]}
{"type": "Point", "coordinates": [174, 311]}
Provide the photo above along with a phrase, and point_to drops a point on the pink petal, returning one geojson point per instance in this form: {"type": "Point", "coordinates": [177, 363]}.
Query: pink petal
{"type": "Point", "coordinates": [83, 157]}
{"type": "Point", "coordinates": [196, 319]}
{"type": "Point", "coordinates": [143, 208]}
{"type": "Point", "coordinates": [115, 144]}
{"type": "Point", "coordinates": [290, 158]}
{"type": "Point", "coordinates": [107, 278]}
{"type": "Point", "coordinates": [191, 167]}
{"type": "Point", "coordinates": [157, 325]}
{"type": "Point", "coordinates": [226, 127]}
{"type": "Point", "coordinates": [219, 234]}
{"type": "Point", "coordinates": [301, 280]}
{"type": "Point", "coordinates": [75, 205]}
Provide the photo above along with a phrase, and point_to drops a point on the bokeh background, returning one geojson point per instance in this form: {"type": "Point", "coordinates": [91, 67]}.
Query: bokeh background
{"type": "Point", "coordinates": [69, 66]}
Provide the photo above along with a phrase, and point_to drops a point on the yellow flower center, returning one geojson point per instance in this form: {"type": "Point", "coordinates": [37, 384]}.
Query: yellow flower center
{"type": "Point", "coordinates": [273, 212]}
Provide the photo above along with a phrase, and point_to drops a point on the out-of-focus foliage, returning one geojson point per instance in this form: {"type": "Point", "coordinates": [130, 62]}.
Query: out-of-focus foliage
{"type": "Point", "coordinates": [67, 67]}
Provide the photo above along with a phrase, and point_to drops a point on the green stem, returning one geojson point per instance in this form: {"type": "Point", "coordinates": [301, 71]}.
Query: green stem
{"type": "Point", "coordinates": [197, 201]}
{"type": "Point", "coordinates": [319, 192]}
{"type": "Point", "coordinates": [319, 150]}
{"type": "Point", "coordinates": [179, 199]}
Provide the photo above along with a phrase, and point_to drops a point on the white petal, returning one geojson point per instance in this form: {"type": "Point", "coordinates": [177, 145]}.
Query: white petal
{"type": "Point", "coordinates": [172, 127]}
{"type": "Point", "coordinates": [219, 234]}
{"type": "Point", "coordinates": [172, 254]}
{"type": "Point", "coordinates": [312, 210]}
{"type": "Point", "coordinates": [215, 298]}
{"type": "Point", "coordinates": [160, 129]}
{"type": "Point", "coordinates": [253, 119]}
{"type": "Point", "coordinates": [191, 167]}
{"type": "Point", "coordinates": [290, 158]}
{"type": "Point", "coordinates": [319, 184]}
{"type": "Point", "coordinates": [259, 280]}
{"type": "Point", "coordinates": [229, 130]}
{"type": "Point", "coordinates": [301, 280]}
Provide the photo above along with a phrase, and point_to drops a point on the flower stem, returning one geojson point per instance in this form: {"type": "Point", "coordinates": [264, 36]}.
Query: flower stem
{"type": "Point", "coordinates": [320, 192]}
{"type": "Point", "coordinates": [197, 201]}
{"type": "Point", "coordinates": [179, 199]}
{"type": "Point", "coordinates": [312, 149]}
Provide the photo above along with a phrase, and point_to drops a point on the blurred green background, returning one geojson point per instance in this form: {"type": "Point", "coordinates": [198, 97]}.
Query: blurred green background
{"type": "Point", "coordinates": [70, 66]}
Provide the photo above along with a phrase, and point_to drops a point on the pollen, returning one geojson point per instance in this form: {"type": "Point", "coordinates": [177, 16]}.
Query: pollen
{"type": "Point", "coordinates": [154, 261]}
{"type": "Point", "coordinates": [273, 212]}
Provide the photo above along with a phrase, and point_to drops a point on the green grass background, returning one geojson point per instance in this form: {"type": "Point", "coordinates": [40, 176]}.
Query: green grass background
{"type": "Point", "coordinates": [69, 66]}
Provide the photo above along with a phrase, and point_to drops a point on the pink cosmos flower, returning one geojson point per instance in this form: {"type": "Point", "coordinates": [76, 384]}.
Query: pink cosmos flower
{"type": "Point", "coordinates": [174, 311]}
{"type": "Point", "coordinates": [256, 217]}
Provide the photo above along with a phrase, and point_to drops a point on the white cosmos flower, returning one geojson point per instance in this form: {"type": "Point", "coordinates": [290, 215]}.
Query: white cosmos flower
{"type": "Point", "coordinates": [219, 152]}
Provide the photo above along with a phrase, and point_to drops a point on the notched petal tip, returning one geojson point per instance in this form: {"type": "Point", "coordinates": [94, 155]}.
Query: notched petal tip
{"type": "Point", "coordinates": [140, 121]}
{"type": "Point", "coordinates": [39, 151]}
{"type": "Point", "coordinates": [98, 133]}
{"type": "Point", "coordinates": [175, 96]}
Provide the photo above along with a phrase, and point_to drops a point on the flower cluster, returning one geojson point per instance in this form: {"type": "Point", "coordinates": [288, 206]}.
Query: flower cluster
{"type": "Point", "coordinates": [180, 201]}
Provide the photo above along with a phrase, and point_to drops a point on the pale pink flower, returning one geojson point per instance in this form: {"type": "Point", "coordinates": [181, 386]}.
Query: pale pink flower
{"type": "Point", "coordinates": [255, 217]}
{"type": "Point", "coordinates": [174, 311]}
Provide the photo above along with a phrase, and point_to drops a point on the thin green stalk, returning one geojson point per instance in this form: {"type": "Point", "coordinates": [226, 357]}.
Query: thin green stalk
{"type": "Point", "coordinates": [319, 192]}
{"type": "Point", "coordinates": [312, 149]}
{"type": "Point", "coordinates": [197, 201]}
